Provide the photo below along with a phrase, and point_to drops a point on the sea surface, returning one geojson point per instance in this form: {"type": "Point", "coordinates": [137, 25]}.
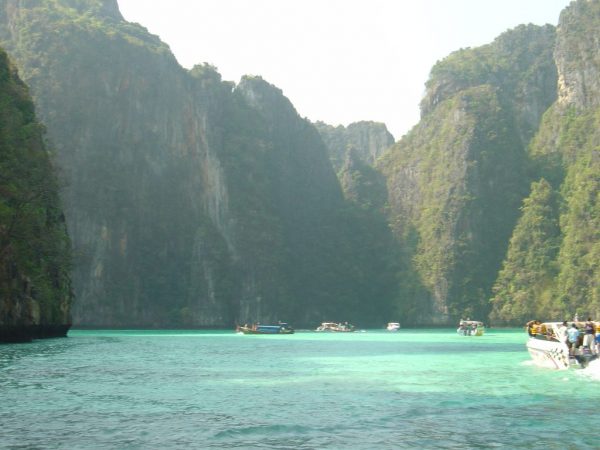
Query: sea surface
{"type": "Point", "coordinates": [219, 390]}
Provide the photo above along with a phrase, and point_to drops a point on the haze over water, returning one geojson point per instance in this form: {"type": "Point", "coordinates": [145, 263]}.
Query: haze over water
{"type": "Point", "coordinates": [364, 390]}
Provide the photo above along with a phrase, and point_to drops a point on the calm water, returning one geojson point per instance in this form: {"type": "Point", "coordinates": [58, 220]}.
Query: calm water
{"type": "Point", "coordinates": [364, 390]}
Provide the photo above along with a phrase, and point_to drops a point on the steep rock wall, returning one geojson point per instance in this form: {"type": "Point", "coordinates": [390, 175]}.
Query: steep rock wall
{"type": "Point", "coordinates": [368, 141]}
{"type": "Point", "coordinates": [456, 181]}
{"type": "Point", "coordinates": [558, 275]}
{"type": "Point", "coordinates": [190, 201]}
{"type": "Point", "coordinates": [35, 252]}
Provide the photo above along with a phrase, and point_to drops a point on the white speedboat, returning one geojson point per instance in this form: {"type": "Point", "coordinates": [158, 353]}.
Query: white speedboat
{"type": "Point", "coordinates": [470, 328]}
{"type": "Point", "coordinates": [336, 327]}
{"type": "Point", "coordinates": [393, 326]}
{"type": "Point", "coordinates": [548, 348]}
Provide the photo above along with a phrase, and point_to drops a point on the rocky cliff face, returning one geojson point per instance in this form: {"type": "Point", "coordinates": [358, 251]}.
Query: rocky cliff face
{"type": "Point", "coordinates": [576, 55]}
{"type": "Point", "coordinates": [120, 144]}
{"type": "Point", "coordinates": [190, 201]}
{"type": "Point", "coordinates": [362, 184]}
{"type": "Point", "coordinates": [558, 275]}
{"type": "Point", "coordinates": [367, 140]}
{"type": "Point", "coordinates": [518, 64]}
{"type": "Point", "coordinates": [456, 181]}
{"type": "Point", "coordinates": [35, 252]}
{"type": "Point", "coordinates": [197, 202]}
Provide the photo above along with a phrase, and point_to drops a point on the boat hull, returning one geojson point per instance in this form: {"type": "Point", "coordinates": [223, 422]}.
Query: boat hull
{"type": "Point", "coordinates": [549, 354]}
{"type": "Point", "coordinates": [477, 332]}
{"type": "Point", "coordinates": [270, 329]}
{"type": "Point", "coordinates": [263, 332]}
{"type": "Point", "coordinates": [335, 330]}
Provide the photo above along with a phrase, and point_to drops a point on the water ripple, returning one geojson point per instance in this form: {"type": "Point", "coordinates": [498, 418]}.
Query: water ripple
{"type": "Point", "coordinates": [309, 391]}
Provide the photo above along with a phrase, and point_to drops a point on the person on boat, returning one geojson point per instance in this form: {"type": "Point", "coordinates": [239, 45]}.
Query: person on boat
{"type": "Point", "coordinates": [589, 335]}
{"type": "Point", "coordinates": [573, 334]}
{"type": "Point", "coordinates": [532, 327]}
{"type": "Point", "coordinates": [562, 333]}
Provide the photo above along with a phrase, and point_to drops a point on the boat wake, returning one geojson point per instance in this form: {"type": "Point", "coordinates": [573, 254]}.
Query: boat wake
{"type": "Point", "coordinates": [592, 371]}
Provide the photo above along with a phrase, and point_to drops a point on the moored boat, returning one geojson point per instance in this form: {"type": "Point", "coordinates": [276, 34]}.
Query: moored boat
{"type": "Point", "coordinates": [393, 326]}
{"type": "Point", "coordinates": [470, 328]}
{"type": "Point", "coordinates": [548, 345]}
{"type": "Point", "coordinates": [281, 328]}
{"type": "Point", "coordinates": [336, 327]}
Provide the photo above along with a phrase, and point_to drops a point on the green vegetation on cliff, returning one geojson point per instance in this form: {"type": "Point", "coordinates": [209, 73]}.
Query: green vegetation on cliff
{"type": "Point", "coordinates": [526, 283]}
{"type": "Point", "coordinates": [558, 275]}
{"type": "Point", "coordinates": [579, 257]}
{"type": "Point", "coordinates": [457, 179]}
{"type": "Point", "coordinates": [519, 64]}
{"type": "Point", "coordinates": [35, 254]}
{"type": "Point", "coordinates": [190, 201]}
{"type": "Point", "coordinates": [371, 245]}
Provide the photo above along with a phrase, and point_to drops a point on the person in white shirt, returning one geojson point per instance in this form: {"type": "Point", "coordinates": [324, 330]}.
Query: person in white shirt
{"type": "Point", "coordinates": [562, 333]}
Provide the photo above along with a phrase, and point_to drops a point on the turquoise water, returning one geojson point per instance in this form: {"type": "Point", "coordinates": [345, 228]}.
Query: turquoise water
{"type": "Point", "coordinates": [364, 390]}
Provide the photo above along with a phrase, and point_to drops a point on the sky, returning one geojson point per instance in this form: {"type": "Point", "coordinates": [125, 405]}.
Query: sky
{"type": "Point", "coordinates": [337, 61]}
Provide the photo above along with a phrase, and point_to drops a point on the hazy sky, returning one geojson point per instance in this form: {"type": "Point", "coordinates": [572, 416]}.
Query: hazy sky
{"type": "Point", "coordinates": [339, 61]}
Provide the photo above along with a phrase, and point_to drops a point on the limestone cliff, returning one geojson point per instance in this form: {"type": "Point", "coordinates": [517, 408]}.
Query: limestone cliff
{"type": "Point", "coordinates": [120, 144]}
{"type": "Point", "coordinates": [456, 180]}
{"type": "Point", "coordinates": [557, 275]}
{"type": "Point", "coordinates": [35, 252]}
{"type": "Point", "coordinates": [196, 202]}
{"type": "Point", "coordinates": [368, 141]}
{"type": "Point", "coordinates": [190, 201]}
{"type": "Point", "coordinates": [576, 55]}
{"type": "Point", "coordinates": [362, 184]}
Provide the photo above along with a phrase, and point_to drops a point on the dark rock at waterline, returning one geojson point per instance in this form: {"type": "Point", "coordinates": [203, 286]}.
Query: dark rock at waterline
{"type": "Point", "coordinates": [12, 334]}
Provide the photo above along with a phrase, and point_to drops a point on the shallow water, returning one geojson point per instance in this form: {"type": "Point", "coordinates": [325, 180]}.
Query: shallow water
{"type": "Point", "coordinates": [363, 390]}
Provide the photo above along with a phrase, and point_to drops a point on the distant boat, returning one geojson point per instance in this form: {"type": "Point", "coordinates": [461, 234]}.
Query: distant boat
{"type": "Point", "coordinates": [336, 327]}
{"type": "Point", "coordinates": [281, 328]}
{"type": "Point", "coordinates": [470, 328]}
{"type": "Point", "coordinates": [393, 326]}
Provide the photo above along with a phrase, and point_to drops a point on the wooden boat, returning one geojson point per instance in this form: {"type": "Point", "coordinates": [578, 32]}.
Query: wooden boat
{"type": "Point", "coordinates": [281, 328]}
{"type": "Point", "coordinates": [336, 327]}
{"type": "Point", "coordinates": [470, 328]}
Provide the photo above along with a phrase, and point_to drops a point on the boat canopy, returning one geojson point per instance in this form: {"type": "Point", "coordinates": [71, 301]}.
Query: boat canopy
{"type": "Point", "coordinates": [471, 322]}
{"type": "Point", "coordinates": [551, 329]}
